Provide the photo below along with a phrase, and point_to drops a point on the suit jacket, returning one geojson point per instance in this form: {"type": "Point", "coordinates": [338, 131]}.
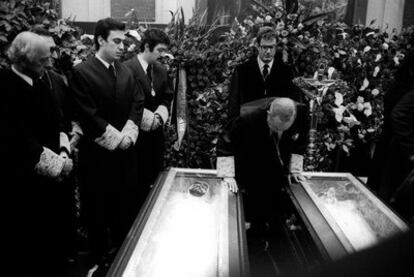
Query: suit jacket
{"type": "Point", "coordinates": [249, 139]}
{"type": "Point", "coordinates": [162, 86]}
{"type": "Point", "coordinates": [247, 84]}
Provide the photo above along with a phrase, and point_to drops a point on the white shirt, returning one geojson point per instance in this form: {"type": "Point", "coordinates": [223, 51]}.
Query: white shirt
{"type": "Point", "coordinates": [262, 64]}
{"type": "Point", "coordinates": [26, 78]}
{"type": "Point", "coordinates": [104, 62]}
{"type": "Point", "coordinates": [143, 63]}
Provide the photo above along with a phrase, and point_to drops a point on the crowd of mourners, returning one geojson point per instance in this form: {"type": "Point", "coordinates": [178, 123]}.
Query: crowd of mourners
{"type": "Point", "coordinates": [112, 114]}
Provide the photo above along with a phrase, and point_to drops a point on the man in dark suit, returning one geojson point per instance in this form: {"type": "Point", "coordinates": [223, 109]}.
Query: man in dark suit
{"type": "Point", "coordinates": [262, 148]}
{"type": "Point", "coordinates": [153, 78]}
{"type": "Point", "coordinates": [265, 76]}
{"type": "Point", "coordinates": [34, 154]}
{"type": "Point", "coordinates": [110, 105]}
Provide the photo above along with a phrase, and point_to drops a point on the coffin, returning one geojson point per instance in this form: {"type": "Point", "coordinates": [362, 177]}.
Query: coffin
{"type": "Point", "coordinates": [190, 225]}
{"type": "Point", "coordinates": [339, 215]}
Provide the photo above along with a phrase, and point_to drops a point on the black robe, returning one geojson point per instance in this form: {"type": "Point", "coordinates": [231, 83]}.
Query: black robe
{"type": "Point", "coordinates": [108, 178]}
{"type": "Point", "coordinates": [150, 144]}
{"type": "Point", "coordinates": [262, 169]}
{"type": "Point", "coordinates": [30, 120]}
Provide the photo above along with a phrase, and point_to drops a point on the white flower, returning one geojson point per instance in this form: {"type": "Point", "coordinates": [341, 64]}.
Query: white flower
{"type": "Point", "coordinates": [280, 25]}
{"type": "Point", "coordinates": [339, 113]}
{"type": "Point", "coordinates": [258, 20]}
{"type": "Point", "coordinates": [331, 70]}
{"type": "Point", "coordinates": [365, 84]}
{"type": "Point", "coordinates": [300, 26]}
{"type": "Point", "coordinates": [342, 52]}
{"type": "Point", "coordinates": [396, 60]}
{"type": "Point", "coordinates": [360, 107]}
{"type": "Point", "coordinates": [359, 62]}
{"type": "Point", "coordinates": [268, 18]}
{"type": "Point", "coordinates": [385, 46]}
{"type": "Point", "coordinates": [360, 99]}
{"type": "Point", "coordinates": [376, 70]}
{"type": "Point", "coordinates": [367, 48]}
{"type": "Point", "coordinates": [378, 57]}
{"type": "Point", "coordinates": [367, 109]}
{"type": "Point", "coordinates": [375, 92]}
{"type": "Point", "coordinates": [339, 99]}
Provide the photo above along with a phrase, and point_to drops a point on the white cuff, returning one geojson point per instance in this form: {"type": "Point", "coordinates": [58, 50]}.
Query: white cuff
{"type": "Point", "coordinates": [147, 120]}
{"type": "Point", "coordinates": [50, 164]}
{"type": "Point", "coordinates": [163, 112]}
{"type": "Point", "coordinates": [110, 139]}
{"type": "Point", "coordinates": [225, 167]}
{"type": "Point", "coordinates": [76, 128]}
{"type": "Point", "coordinates": [130, 130]}
{"type": "Point", "coordinates": [296, 163]}
{"type": "Point", "coordinates": [64, 142]}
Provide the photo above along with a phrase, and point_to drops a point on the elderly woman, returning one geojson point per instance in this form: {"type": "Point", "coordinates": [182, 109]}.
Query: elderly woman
{"type": "Point", "coordinates": [33, 149]}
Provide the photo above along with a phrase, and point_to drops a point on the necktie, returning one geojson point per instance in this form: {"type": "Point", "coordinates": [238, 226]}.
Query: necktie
{"type": "Point", "coordinates": [111, 69]}
{"type": "Point", "coordinates": [149, 73]}
{"type": "Point", "coordinates": [265, 70]}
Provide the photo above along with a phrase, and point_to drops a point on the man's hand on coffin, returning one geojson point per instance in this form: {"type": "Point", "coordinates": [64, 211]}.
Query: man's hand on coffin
{"type": "Point", "coordinates": [231, 184]}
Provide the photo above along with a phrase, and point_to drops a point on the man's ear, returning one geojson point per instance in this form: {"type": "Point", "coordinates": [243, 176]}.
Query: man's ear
{"type": "Point", "coordinates": [100, 40]}
{"type": "Point", "coordinates": [147, 47]}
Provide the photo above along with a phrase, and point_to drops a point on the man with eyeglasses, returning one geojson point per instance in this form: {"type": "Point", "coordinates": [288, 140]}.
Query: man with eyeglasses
{"type": "Point", "coordinates": [110, 105]}
{"type": "Point", "coordinates": [263, 76]}
{"type": "Point", "coordinates": [157, 87]}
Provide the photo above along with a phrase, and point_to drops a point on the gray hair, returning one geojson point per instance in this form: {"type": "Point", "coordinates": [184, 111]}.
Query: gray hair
{"type": "Point", "coordinates": [284, 108]}
{"type": "Point", "coordinates": [24, 48]}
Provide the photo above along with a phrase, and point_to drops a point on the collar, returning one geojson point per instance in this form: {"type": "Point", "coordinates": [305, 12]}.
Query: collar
{"type": "Point", "coordinates": [106, 64]}
{"type": "Point", "coordinates": [26, 78]}
{"type": "Point", "coordinates": [143, 63]}
{"type": "Point", "coordinates": [261, 64]}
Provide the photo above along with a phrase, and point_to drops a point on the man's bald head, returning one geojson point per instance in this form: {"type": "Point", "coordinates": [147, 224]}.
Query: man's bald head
{"type": "Point", "coordinates": [281, 114]}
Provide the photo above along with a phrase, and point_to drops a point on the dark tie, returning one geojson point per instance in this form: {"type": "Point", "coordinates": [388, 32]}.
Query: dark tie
{"type": "Point", "coordinates": [265, 70]}
{"type": "Point", "coordinates": [149, 73]}
{"type": "Point", "coordinates": [111, 69]}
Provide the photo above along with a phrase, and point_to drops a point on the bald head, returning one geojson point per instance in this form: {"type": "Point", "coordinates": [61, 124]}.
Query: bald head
{"type": "Point", "coordinates": [281, 114]}
{"type": "Point", "coordinates": [30, 53]}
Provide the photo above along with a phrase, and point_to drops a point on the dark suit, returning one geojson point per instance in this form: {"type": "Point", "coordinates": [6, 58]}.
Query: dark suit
{"type": "Point", "coordinates": [30, 120]}
{"type": "Point", "coordinates": [150, 144]}
{"type": "Point", "coordinates": [108, 178]}
{"type": "Point", "coordinates": [261, 168]}
{"type": "Point", "coordinates": [247, 84]}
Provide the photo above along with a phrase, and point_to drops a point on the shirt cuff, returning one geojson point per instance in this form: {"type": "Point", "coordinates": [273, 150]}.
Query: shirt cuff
{"type": "Point", "coordinates": [163, 112]}
{"type": "Point", "coordinates": [130, 130]}
{"type": "Point", "coordinates": [76, 128]}
{"type": "Point", "coordinates": [225, 167]}
{"type": "Point", "coordinates": [296, 163]}
{"type": "Point", "coordinates": [110, 139]}
{"type": "Point", "coordinates": [50, 164]}
{"type": "Point", "coordinates": [147, 120]}
{"type": "Point", "coordinates": [64, 142]}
